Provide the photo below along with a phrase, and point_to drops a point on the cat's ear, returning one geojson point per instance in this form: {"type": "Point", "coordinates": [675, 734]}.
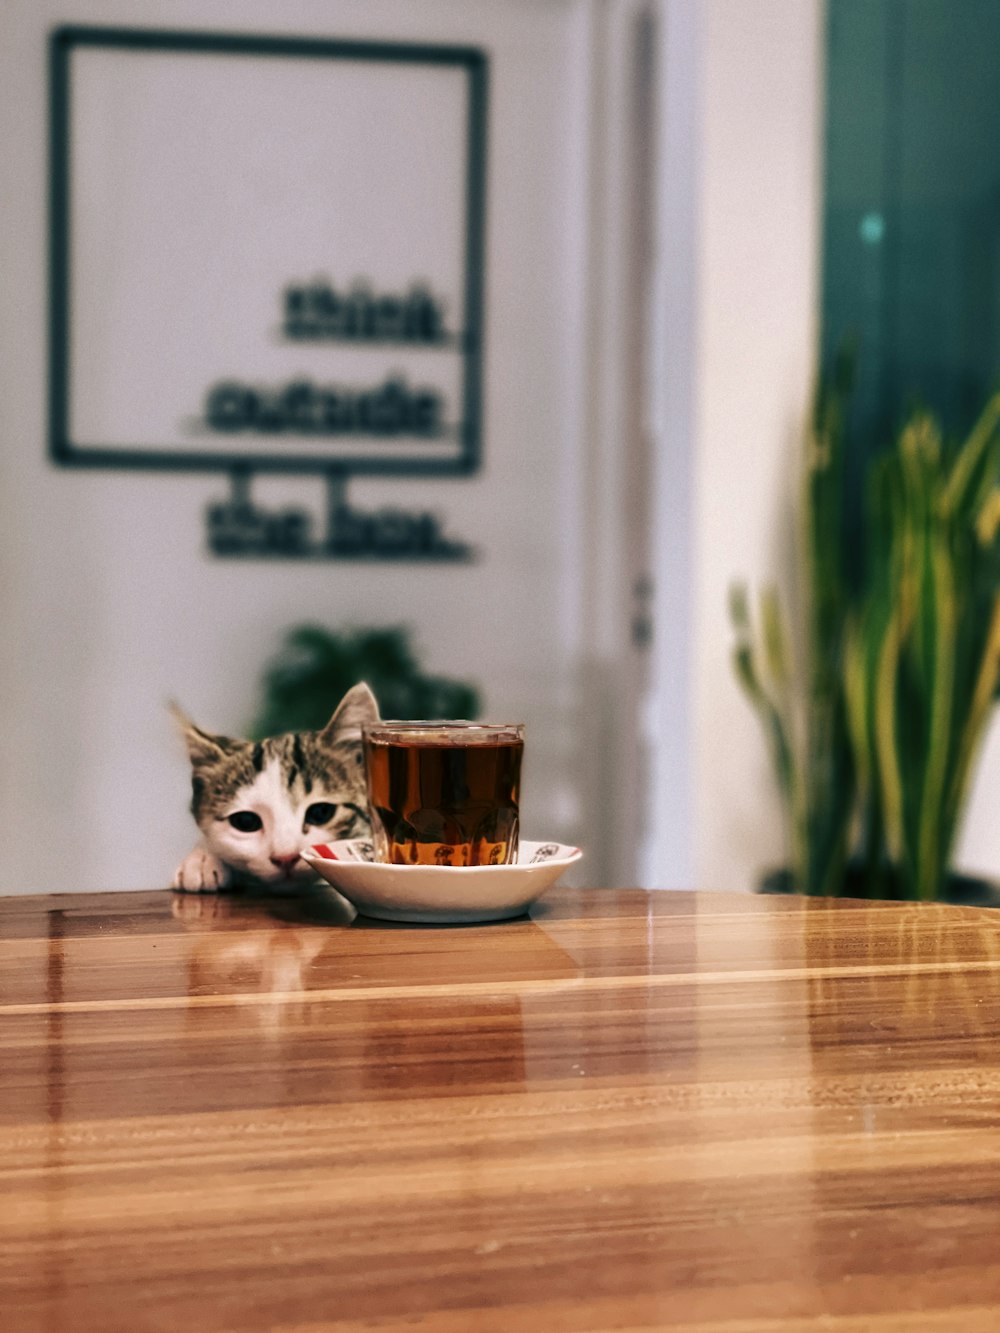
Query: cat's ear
{"type": "Point", "coordinates": [202, 746]}
{"type": "Point", "coordinates": [357, 706]}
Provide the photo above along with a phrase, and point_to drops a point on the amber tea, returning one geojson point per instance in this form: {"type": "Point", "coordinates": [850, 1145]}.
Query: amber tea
{"type": "Point", "coordinates": [444, 793]}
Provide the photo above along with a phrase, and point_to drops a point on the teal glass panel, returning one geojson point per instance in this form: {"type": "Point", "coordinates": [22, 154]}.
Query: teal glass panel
{"type": "Point", "coordinates": [911, 261]}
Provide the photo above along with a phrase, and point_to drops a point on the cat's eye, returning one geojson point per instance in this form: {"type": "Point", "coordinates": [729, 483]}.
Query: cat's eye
{"type": "Point", "coordinates": [320, 812]}
{"type": "Point", "coordinates": [245, 821]}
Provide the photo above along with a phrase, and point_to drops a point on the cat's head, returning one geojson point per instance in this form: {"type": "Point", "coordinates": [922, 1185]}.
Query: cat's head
{"type": "Point", "coordinates": [258, 803]}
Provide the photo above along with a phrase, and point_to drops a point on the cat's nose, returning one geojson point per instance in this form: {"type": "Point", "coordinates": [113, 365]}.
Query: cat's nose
{"type": "Point", "coordinates": [285, 863]}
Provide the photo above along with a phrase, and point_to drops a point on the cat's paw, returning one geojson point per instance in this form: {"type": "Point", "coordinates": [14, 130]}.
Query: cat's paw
{"type": "Point", "coordinates": [201, 872]}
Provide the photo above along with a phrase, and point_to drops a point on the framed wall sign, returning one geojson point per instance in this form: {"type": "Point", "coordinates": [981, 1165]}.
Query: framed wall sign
{"type": "Point", "coordinates": [266, 253]}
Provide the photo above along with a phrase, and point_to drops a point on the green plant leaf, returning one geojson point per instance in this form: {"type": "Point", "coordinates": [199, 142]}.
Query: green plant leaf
{"type": "Point", "coordinates": [874, 733]}
{"type": "Point", "coordinates": [973, 473]}
{"type": "Point", "coordinates": [316, 666]}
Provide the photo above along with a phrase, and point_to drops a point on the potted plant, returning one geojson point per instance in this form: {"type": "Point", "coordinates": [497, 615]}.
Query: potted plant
{"type": "Point", "coordinates": [316, 666]}
{"type": "Point", "coordinates": [876, 712]}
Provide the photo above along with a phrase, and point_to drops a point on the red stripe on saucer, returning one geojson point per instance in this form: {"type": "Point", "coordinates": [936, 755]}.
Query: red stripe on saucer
{"type": "Point", "coordinates": [324, 851]}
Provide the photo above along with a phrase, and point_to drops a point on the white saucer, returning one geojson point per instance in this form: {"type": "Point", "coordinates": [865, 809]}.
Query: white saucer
{"type": "Point", "coordinates": [441, 894]}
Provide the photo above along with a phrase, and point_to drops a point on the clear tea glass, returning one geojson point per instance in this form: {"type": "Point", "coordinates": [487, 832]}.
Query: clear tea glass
{"type": "Point", "coordinates": [444, 793]}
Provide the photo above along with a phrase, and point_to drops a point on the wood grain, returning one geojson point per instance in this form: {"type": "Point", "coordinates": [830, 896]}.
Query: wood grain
{"type": "Point", "coordinates": [695, 1112]}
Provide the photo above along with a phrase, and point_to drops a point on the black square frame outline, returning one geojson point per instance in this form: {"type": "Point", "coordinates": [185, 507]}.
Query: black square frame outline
{"type": "Point", "coordinates": [62, 42]}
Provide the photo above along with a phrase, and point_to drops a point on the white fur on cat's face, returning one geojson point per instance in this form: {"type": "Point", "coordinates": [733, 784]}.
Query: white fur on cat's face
{"type": "Point", "coordinates": [288, 823]}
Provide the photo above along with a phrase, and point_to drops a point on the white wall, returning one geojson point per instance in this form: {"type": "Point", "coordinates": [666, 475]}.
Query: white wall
{"type": "Point", "coordinates": [740, 243]}
{"type": "Point", "coordinates": [110, 606]}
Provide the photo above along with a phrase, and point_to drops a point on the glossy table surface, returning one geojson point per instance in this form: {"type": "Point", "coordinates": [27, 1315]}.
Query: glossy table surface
{"type": "Point", "coordinates": [634, 1111]}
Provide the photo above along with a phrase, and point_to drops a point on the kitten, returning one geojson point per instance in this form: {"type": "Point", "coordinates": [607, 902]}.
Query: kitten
{"type": "Point", "coordinates": [258, 804]}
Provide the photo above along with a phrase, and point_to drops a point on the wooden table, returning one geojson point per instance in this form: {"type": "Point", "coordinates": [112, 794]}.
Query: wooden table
{"type": "Point", "coordinates": [636, 1111]}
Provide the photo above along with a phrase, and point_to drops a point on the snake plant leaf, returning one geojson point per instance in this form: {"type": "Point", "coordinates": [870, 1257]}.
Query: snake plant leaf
{"type": "Point", "coordinates": [777, 652]}
{"type": "Point", "coordinates": [857, 698]}
{"type": "Point", "coordinates": [988, 518]}
{"type": "Point", "coordinates": [890, 775]}
{"type": "Point", "coordinates": [929, 859]}
{"type": "Point", "coordinates": [973, 473]}
{"type": "Point", "coordinates": [775, 724]}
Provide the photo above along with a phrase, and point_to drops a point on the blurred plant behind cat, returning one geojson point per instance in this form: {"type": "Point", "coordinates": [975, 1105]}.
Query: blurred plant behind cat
{"type": "Point", "coordinates": [316, 665]}
{"type": "Point", "coordinates": [259, 803]}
